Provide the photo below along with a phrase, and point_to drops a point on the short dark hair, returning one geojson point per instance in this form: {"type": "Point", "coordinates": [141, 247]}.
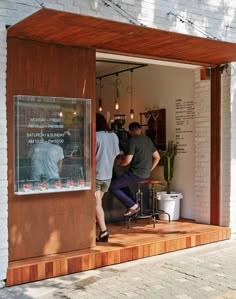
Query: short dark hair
{"type": "Point", "coordinates": [101, 123]}
{"type": "Point", "coordinates": [134, 126]}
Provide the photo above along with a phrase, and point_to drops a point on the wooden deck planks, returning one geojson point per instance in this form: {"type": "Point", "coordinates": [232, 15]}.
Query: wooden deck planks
{"type": "Point", "coordinates": [139, 241]}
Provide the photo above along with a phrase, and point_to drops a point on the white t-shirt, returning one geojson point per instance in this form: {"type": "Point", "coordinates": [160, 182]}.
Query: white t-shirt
{"type": "Point", "coordinates": [44, 159]}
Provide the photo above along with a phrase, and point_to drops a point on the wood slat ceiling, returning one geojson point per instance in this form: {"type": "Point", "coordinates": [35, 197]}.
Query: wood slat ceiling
{"type": "Point", "coordinates": [66, 28]}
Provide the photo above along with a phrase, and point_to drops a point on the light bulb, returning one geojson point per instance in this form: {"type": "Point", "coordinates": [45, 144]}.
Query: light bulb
{"type": "Point", "coordinates": [117, 105]}
{"type": "Point", "coordinates": [132, 113]}
{"type": "Point", "coordinates": [100, 105]}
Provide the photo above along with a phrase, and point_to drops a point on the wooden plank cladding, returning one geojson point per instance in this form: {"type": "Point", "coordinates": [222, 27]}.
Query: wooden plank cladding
{"type": "Point", "coordinates": [114, 37]}
{"type": "Point", "coordinates": [139, 241]}
{"type": "Point", "coordinates": [50, 223]}
{"type": "Point", "coordinates": [215, 145]}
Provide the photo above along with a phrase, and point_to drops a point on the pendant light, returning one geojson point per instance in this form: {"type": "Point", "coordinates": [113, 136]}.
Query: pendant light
{"type": "Point", "coordinates": [131, 96]}
{"type": "Point", "coordinates": [117, 93]}
{"type": "Point", "coordinates": [100, 96]}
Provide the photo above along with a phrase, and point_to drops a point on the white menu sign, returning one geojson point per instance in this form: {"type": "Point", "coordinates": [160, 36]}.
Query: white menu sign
{"type": "Point", "coordinates": [184, 124]}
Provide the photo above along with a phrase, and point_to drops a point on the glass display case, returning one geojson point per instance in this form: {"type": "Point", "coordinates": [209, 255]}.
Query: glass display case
{"type": "Point", "coordinates": [52, 144]}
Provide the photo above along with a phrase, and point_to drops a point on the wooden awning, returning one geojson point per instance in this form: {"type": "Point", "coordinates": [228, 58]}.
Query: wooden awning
{"type": "Point", "coordinates": [47, 25]}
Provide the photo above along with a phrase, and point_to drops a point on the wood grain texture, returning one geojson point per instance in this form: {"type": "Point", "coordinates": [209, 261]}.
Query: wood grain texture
{"type": "Point", "coordinates": [215, 176]}
{"type": "Point", "coordinates": [139, 241]}
{"type": "Point", "coordinates": [66, 28]}
{"type": "Point", "coordinates": [53, 223]}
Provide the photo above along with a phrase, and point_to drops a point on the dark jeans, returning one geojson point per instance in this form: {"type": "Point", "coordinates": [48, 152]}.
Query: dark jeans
{"type": "Point", "coordinates": [119, 187]}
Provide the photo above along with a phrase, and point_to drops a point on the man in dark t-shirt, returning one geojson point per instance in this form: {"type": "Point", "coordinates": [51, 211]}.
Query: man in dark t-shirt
{"type": "Point", "coordinates": [142, 157]}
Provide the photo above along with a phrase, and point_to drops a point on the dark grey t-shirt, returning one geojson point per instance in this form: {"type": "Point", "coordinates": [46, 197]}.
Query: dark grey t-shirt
{"type": "Point", "coordinates": [142, 148]}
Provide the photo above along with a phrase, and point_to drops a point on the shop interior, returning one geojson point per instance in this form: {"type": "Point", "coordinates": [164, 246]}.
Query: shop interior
{"type": "Point", "coordinates": [150, 92]}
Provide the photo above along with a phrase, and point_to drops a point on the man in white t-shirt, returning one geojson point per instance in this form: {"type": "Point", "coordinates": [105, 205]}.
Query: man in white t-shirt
{"type": "Point", "coordinates": [46, 159]}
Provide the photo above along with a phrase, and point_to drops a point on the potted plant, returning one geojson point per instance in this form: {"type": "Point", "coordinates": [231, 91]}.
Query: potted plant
{"type": "Point", "coordinates": [43, 182]}
{"type": "Point", "coordinates": [169, 201]}
{"type": "Point", "coordinates": [71, 182]}
{"type": "Point", "coordinates": [168, 158]}
{"type": "Point", "coordinates": [26, 186]}
{"type": "Point", "coordinates": [58, 183]}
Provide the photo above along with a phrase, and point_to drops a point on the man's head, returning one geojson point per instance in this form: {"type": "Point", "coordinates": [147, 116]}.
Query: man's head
{"type": "Point", "coordinates": [135, 128]}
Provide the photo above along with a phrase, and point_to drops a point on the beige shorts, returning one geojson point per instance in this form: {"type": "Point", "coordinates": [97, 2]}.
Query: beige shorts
{"type": "Point", "coordinates": [102, 185]}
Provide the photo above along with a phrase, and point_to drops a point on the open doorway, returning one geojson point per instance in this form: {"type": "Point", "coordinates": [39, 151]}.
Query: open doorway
{"type": "Point", "coordinates": [155, 85]}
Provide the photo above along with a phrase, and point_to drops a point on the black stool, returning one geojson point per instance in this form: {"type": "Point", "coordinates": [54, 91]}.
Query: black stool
{"type": "Point", "coordinates": [155, 211]}
{"type": "Point", "coordinates": [139, 199]}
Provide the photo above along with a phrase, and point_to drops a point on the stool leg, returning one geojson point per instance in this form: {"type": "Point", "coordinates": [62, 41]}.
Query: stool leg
{"type": "Point", "coordinates": [154, 220]}
{"type": "Point", "coordinates": [139, 199]}
{"type": "Point", "coordinates": [153, 199]}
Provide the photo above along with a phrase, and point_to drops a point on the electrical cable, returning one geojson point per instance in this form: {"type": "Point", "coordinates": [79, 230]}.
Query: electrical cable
{"type": "Point", "coordinates": [196, 27]}
{"type": "Point", "coordinates": [117, 7]}
{"type": "Point", "coordinates": [41, 4]}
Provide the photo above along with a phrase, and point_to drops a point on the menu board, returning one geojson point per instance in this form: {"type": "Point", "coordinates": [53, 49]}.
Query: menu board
{"type": "Point", "coordinates": [52, 144]}
{"type": "Point", "coordinates": [184, 124]}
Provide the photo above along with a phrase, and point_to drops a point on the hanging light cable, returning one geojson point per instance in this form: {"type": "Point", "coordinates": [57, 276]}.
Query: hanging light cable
{"type": "Point", "coordinates": [131, 96]}
{"type": "Point", "coordinates": [117, 93]}
{"type": "Point", "coordinates": [100, 96]}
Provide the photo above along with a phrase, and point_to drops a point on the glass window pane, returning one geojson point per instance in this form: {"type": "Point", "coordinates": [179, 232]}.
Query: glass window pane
{"type": "Point", "coordinates": [52, 143]}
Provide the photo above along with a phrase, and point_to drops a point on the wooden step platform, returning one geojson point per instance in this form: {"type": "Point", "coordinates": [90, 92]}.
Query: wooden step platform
{"type": "Point", "coordinates": [125, 244]}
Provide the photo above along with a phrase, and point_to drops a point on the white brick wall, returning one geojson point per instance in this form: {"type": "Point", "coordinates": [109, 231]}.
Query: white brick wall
{"type": "Point", "coordinates": [202, 148]}
{"type": "Point", "coordinates": [216, 17]}
{"type": "Point", "coordinates": [232, 176]}
{"type": "Point", "coordinates": [3, 161]}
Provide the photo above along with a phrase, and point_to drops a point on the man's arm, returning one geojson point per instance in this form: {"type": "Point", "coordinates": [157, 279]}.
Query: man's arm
{"type": "Point", "coordinates": [59, 164]}
{"type": "Point", "coordinates": [155, 159]}
{"type": "Point", "coordinates": [124, 160]}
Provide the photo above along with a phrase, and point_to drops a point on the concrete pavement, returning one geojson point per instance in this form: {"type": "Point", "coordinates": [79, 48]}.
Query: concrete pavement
{"type": "Point", "coordinates": [207, 271]}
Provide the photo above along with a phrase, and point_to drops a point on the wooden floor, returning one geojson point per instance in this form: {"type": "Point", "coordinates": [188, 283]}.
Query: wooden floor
{"type": "Point", "coordinates": [140, 240]}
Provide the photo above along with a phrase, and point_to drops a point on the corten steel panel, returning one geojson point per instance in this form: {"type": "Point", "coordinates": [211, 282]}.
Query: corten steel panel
{"type": "Point", "coordinates": [114, 37]}
{"type": "Point", "coordinates": [44, 224]}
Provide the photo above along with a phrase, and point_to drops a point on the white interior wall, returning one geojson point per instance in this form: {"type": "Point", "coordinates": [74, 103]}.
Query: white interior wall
{"type": "Point", "coordinates": [158, 86]}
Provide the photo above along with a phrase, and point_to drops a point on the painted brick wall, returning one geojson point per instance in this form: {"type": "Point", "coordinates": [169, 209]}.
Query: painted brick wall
{"type": "Point", "coordinates": [3, 161]}
{"type": "Point", "coordinates": [232, 177]}
{"type": "Point", "coordinates": [216, 17]}
{"type": "Point", "coordinates": [202, 148]}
